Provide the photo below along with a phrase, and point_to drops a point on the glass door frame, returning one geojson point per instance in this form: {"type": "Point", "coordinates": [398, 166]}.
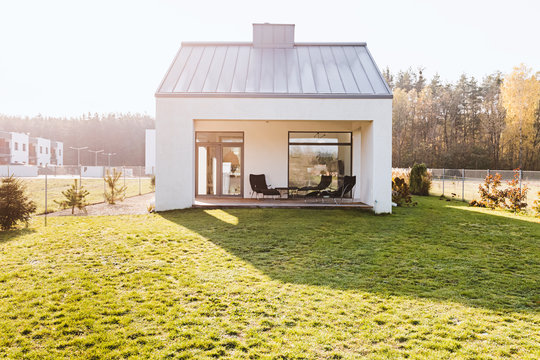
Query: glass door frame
{"type": "Point", "coordinates": [289, 143]}
{"type": "Point", "coordinates": [219, 146]}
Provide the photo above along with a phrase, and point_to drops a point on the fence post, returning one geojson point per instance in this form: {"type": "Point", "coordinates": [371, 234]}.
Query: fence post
{"type": "Point", "coordinates": [462, 184]}
{"type": "Point", "coordinates": [139, 180]}
{"type": "Point", "coordinates": [443, 181]}
{"type": "Point", "coordinates": [45, 198]}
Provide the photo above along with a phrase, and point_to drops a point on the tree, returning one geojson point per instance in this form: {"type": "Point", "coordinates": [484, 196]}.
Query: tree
{"type": "Point", "coordinates": [115, 191]}
{"type": "Point", "coordinates": [74, 197]}
{"type": "Point", "coordinates": [14, 204]}
{"type": "Point", "coordinates": [520, 94]}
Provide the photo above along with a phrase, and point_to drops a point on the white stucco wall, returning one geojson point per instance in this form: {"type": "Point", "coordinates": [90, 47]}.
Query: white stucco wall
{"type": "Point", "coordinates": [59, 149]}
{"type": "Point", "coordinates": [266, 142]}
{"type": "Point", "coordinates": [43, 151]}
{"type": "Point", "coordinates": [19, 153]}
{"type": "Point", "coordinates": [150, 152]}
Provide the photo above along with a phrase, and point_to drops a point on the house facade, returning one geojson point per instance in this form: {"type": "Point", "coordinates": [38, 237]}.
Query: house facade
{"type": "Point", "coordinates": [13, 148]}
{"type": "Point", "coordinates": [40, 151]}
{"type": "Point", "coordinates": [57, 153]}
{"type": "Point", "coordinates": [292, 111]}
{"type": "Point", "coordinates": [150, 152]}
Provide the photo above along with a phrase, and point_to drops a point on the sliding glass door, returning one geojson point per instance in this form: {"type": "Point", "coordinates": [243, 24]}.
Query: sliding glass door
{"type": "Point", "coordinates": [219, 161]}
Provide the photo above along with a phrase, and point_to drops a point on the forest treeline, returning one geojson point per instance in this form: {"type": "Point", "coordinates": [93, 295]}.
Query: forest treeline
{"type": "Point", "coordinates": [493, 123]}
{"type": "Point", "coordinates": [123, 134]}
{"type": "Point", "coordinates": [489, 124]}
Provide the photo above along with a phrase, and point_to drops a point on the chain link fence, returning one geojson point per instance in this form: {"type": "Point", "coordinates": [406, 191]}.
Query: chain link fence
{"type": "Point", "coordinates": [45, 184]}
{"type": "Point", "coordinates": [463, 184]}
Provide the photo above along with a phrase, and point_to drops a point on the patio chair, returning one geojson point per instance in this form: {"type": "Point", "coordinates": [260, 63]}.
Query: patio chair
{"type": "Point", "coordinates": [258, 186]}
{"type": "Point", "coordinates": [325, 182]}
{"type": "Point", "coordinates": [348, 184]}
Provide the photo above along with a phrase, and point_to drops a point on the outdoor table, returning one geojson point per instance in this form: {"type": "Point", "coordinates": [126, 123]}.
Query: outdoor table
{"type": "Point", "coordinates": [291, 191]}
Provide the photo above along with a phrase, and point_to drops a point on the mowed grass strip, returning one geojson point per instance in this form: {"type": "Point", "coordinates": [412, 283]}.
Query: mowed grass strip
{"type": "Point", "coordinates": [435, 281]}
{"type": "Point", "coordinates": [35, 189]}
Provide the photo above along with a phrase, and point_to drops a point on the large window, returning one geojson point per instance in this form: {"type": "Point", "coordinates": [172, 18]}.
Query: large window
{"type": "Point", "coordinates": [312, 154]}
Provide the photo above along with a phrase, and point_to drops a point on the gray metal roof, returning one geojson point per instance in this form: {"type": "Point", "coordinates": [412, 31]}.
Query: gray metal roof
{"type": "Point", "coordinates": [342, 70]}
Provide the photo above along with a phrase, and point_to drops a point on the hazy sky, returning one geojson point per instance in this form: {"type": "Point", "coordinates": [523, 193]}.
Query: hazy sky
{"type": "Point", "coordinates": [71, 57]}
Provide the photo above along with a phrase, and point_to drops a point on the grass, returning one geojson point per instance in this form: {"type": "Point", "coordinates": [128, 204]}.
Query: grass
{"type": "Point", "coordinates": [436, 281]}
{"type": "Point", "coordinates": [36, 190]}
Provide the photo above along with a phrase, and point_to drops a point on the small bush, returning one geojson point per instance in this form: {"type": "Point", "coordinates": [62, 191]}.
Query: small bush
{"type": "Point", "coordinates": [536, 206]}
{"type": "Point", "coordinates": [14, 204]}
{"type": "Point", "coordinates": [420, 180]}
{"type": "Point", "coordinates": [490, 194]}
{"type": "Point", "coordinates": [74, 197]}
{"type": "Point", "coordinates": [153, 182]}
{"type": "Point", "coordinates": [401, 173]}
{"type": "Point", "coordinates": [400, 192]}
{"type": "Point", "coordinates": [514, 196]}
{"type": "Point", "coordinates": [115, 191]}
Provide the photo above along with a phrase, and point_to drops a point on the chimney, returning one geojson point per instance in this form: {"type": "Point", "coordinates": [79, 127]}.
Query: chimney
{"type": "Point", "coordinates": [273, 35]}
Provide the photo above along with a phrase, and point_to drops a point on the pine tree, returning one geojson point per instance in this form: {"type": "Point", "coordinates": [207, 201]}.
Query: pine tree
{"type": "Point", "coordinates": [115, 191]}
{"type": "Point", "coordinates": [14, 204]}
{"type": "Point", "coordinates": [75, 197]}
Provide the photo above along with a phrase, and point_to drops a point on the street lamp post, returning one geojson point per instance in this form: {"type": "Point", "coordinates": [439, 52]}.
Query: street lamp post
{"type": "Point", "coordinates": [79, 153]}
{"type": "Point", "coordinates": [96, 152]}
{"type": "Point", "coordinates": [109, 156]}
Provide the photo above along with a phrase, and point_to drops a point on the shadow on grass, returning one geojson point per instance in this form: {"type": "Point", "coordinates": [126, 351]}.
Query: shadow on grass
{"type": "Point", "coordinates": [434, 251]}
{"type": "Point", "coordinates": [9, 235]}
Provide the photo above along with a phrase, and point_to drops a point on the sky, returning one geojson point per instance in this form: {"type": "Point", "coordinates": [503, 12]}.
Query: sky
{"type": "Point", "coordinates": [66, 58]}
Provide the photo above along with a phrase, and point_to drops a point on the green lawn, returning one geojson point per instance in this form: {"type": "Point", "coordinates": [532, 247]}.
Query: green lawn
{"type": "Point", "coordinates": [437, 281]}
{"type": "Point", "coordinates": [55, 186]}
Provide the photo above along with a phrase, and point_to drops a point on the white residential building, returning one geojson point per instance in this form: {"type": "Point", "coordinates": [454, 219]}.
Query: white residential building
{"type": "Point", "coordinates": [57, 153]}
{"type": "Point", "coordinates": [291, 111]}
{"type": "Point", "coordinates": [40, 151]}
{"type": "Point", "coordinates": [150, 152]}
{"type": "Point", "coordinates": [13, 148]}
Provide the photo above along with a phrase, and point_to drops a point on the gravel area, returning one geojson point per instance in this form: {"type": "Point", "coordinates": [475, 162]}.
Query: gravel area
{"type": "Point", "coordinates": [133, 205]}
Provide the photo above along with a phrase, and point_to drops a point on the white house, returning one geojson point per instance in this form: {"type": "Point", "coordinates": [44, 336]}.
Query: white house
{"type": "Point", "coordinates": [13, 148]}
{"type": "Point", "coordinates": [150, 152]}
{"type": "Point", "coordinates": [57, 153]}
{"type": "Point", "coordinates": [291, 111]}
{"type": "Point", "coordinates": [40, 151]}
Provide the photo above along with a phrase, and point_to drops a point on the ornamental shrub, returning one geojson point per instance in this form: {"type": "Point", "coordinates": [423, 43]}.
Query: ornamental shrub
{"type": "Point", "coordinates": [490, 194]}
{"type": "Point", "coordinates": [536, 206]}
{"type": "Point", "coordinates": [420, 180]}
{"type": "Point", "coordinates": [74, 197]}
{"type": "Point", "coordinates": [400, 192]}
{"type": "Point", "coordinates": [514, 196]}
{"type": "Point", "coordinates": [114, 192]}
{"type": "Point", "coordinates": [15, 206]}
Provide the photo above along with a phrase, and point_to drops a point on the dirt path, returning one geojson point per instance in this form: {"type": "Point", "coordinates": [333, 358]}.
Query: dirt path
{"type": "Point", "coordinates": [132, 205]}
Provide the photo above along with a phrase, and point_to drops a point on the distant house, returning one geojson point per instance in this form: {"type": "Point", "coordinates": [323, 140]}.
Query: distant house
{"type": "Point", "coordinates": [13, 148]}
{"type": "Point", "coordinates": [150, 152]}
{"type": "Point", "coordinates": [292, 111]}
{"type": "Point", "coordinates": [57, 153]}
{"type": "Point", "coordinates": [40, 151]}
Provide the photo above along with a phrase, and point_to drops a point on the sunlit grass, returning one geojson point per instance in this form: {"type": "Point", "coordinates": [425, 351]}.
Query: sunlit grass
{"type": "Point", "coordinates": [223, 216]}
{"type": "Point", "coordinates": [55, 186]}
{"type": "Point", "coordinates": [432, 281]}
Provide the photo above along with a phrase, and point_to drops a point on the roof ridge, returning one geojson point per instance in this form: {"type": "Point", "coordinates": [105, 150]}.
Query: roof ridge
{"type": "Point", "coordinates": [249, 43]}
